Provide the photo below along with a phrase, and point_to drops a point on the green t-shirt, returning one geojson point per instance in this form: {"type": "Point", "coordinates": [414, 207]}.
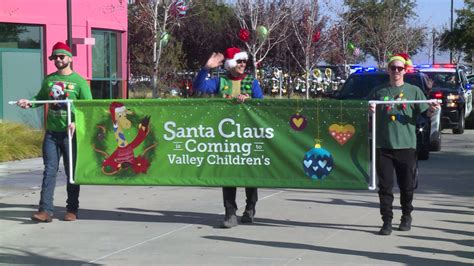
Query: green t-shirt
{"type": "Point", "coordinates": [60, 87]}
{"type": "Point", "coordinates": [396, 124]}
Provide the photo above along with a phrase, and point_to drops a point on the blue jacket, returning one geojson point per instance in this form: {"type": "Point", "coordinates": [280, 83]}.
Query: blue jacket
{"type": "Point", "coordinates": [211, 86]}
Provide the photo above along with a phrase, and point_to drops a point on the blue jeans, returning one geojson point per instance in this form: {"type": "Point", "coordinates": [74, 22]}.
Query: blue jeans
{"type": "Point", "coordinates": [56, 144]}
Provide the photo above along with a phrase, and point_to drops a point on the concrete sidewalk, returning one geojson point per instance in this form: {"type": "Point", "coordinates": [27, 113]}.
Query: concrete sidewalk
{"type": "Point", "coordinates": [121, 225]}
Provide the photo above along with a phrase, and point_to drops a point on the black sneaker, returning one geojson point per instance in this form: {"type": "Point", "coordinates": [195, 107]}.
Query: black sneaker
{"type": "Point", "coordinates": [230, 220]}
{"type": "Point", "coordinates": [247, 216]}
{"type": "Point", "coordinates": [405, 224]}
{"type": "Point", "coordinates": [386, 229]}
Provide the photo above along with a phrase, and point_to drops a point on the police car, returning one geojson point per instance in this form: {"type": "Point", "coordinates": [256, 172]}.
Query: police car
{"type": "Point", "coordinates": [449, 84]}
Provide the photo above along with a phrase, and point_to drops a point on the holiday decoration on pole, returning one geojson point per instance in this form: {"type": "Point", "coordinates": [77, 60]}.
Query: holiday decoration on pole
{"type": "Point", "coordinates": [316, 36]}
{"type": "Point", "coordinates": [179, 8]}
{"type": "Point", "coordinates": [350, 47]}
{"type": "Point", "coordinates": [262, 32]}
{"type": "Point", "coordinates": [356, 52]}
{"type": "Point", "coordinates": [244, 34]}
{"type": "Point", "coordinates": [164, 38]}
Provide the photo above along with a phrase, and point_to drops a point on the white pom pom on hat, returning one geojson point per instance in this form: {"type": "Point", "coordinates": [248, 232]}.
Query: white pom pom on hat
{"type": "Point", "coordinates": [232, 55]}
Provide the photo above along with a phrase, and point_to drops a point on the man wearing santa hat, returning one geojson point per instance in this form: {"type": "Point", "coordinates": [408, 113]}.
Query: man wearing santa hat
{"type": "Point", "coordinates": [241, 86]}
{"type": "Point", "coordinates": [55, 142]}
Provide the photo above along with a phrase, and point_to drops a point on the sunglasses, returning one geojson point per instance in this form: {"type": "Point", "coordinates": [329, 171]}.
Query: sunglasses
{"type": "Point", "coordinates": [397, 68]}
{"type": "Point", "coordinates": [240, 61]}
{"type": "Point", "coordinates": [60, 56]}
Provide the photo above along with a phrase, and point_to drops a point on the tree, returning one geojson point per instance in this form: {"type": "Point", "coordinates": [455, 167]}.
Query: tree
{"type": "Point", "coordinates": [158, 18]}
{"type": "Point", "coordinates": [384, 27]}
{"type": "Point", "coordinates": [207, 29]}
{"type": "Point", "coordinates": [461, 38]}
{"type": "Point", "coordinates": [267, 23]}
{"type": "Point", "coordinates": [310, 41]}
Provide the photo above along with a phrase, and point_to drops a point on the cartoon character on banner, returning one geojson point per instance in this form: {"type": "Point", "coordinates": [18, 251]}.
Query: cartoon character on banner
{"type": "Point", "coordinates": [123, 157]}
{"type": "Point", "coordinates": [58, 93]}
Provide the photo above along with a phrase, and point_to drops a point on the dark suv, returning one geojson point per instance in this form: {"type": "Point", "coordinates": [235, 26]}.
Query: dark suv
{"type": "Point", "coordinates": [450, 84]}
{"type": "Point", "coordinates": [360, 84]}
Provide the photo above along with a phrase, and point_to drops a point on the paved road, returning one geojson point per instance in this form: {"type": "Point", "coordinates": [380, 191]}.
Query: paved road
{"type": "Point", "coordinates": [179, 225]}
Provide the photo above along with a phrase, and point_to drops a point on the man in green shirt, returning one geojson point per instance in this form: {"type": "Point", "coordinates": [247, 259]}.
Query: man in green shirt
{"type": "Point", "coordinates": [62, 84]}
{"type": "Point", "coordinates": [396, 141]}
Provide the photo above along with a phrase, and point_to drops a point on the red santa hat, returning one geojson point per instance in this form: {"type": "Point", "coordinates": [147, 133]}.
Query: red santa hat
{"type": "Point", "coordinates": [232, 55]}
{"type": "Point", "coordinates": [116, 107]}
{"type": "Point", "coordinates": [60, 48]}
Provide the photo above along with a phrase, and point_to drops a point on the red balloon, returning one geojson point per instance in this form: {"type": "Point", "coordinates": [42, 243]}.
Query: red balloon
{"type": "Point", "coordinates": [244, 35]}
{"type": "Point", "coordinates": [316, 36]}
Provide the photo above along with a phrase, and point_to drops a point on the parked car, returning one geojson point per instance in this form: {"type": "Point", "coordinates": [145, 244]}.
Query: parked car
{"type": "Point", "coordinates": [450, 85]}
{"type": "Point", "coordinates": [360, 84]}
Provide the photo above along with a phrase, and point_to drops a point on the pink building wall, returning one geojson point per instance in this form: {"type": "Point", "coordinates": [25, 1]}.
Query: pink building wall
{"type": "Point", "coordinates": [86, 15]}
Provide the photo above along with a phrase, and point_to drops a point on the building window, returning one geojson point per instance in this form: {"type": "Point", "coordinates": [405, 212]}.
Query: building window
{"type": "Point", "coordinates": [106, 80]}
{"type": "Point", "coordinates": [20, 36]}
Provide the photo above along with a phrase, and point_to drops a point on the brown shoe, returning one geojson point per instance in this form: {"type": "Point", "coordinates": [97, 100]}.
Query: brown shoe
{"type": "Point", "coordinates": [70, 216]}
{"type": "Point", "coordinates": [42, 217]}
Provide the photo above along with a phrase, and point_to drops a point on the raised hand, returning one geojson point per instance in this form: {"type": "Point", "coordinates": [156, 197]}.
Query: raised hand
{"type": "Point", "coordinates": [214, 61]}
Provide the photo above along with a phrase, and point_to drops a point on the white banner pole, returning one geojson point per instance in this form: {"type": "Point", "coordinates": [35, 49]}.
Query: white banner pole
{"type": "Point", "coordinates": [373, 178]}
{"type": "Point", "coordinates": [69, 139]}
{"type": "Point", "coordinates": [69, 135]}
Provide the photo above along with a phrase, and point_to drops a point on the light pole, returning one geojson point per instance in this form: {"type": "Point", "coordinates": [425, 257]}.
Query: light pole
{"type": "Point", "coordinates": [450, 50]}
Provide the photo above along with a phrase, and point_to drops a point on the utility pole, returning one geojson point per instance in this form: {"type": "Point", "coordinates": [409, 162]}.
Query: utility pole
{"type": "Point", "coordinates": [434, 45]}
{"type": "Point", "coordinates": [450, 50]}
{"type": "Point", "coordinates": [69, 23]}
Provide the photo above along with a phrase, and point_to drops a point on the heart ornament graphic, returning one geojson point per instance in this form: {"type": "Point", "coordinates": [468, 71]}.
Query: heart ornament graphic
{"type": "Point", "coordinates": [342, 133]}
{"type": "Point", "coordinates": [298, 122]}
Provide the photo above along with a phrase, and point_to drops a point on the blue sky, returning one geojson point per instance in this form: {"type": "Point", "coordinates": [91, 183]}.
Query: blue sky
{"type": "Point", "coordinates": [435, 14]}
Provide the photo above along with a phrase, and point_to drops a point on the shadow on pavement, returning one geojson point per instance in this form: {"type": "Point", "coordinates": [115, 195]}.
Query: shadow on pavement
{"type": "Point", "coordinates": [382, 256]}
{"type": "Point", "coordinates": [13, 256]}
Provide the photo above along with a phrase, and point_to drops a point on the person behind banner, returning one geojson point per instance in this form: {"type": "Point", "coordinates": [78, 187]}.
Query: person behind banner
{"type": "Point", "coordinates": [62, 84]}
{"type": "Point", "coordinates": [396, 141]}
{"type": "Point", "coordinates": [236, 84]}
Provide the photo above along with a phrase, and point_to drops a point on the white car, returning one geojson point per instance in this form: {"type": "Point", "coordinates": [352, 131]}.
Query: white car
{"type": "Point", "coordinates": [450, 84]}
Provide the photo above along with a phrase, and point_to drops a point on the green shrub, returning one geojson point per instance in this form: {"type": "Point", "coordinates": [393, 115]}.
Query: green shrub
{"type": "Point", "coordinates": [18, 142]}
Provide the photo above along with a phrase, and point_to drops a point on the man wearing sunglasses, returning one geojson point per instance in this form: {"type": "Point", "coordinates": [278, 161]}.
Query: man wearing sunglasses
{"type": "Point", "coordinates": [396, 141]}
{"type": "Point", "coordinates": [236, 84]}
{"type": "Point", "coordinates": [62, 84]}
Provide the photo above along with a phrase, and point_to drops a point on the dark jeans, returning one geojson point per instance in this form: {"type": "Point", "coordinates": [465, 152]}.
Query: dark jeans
{"type": "Point", "coordinates": [403, 161]}
{"type": "Point", "coordinates": [56, 144]}
{"type": "Point", "coordinates": [229, 194]}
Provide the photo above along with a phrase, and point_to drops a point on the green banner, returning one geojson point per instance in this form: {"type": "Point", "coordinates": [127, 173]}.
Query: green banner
{"type": "Point", "coordinates": [219, 142]}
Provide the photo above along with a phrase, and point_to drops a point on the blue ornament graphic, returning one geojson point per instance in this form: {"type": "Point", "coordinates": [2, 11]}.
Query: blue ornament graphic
{"type": "Point", "coordinates": [318, 163]}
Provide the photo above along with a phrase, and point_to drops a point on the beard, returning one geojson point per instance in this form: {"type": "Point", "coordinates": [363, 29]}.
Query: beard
{"type": "Point", "coordinates": [62, 66]}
